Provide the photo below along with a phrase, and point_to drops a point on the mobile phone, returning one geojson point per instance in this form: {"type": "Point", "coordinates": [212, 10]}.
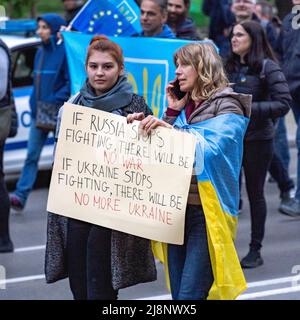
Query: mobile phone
{"type": "Point", "coordinates": [176, 90]}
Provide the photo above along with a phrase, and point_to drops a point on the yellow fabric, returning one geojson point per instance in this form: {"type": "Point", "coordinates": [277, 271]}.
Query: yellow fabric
{"type": "Point", "coordinates": [229, 280]}
{"type": "Point", "coordinates": [160, 251]}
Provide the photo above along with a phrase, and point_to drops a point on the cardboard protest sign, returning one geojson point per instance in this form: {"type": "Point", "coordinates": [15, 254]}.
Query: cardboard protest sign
{"type": "Point", "coordinates": [107, 173]}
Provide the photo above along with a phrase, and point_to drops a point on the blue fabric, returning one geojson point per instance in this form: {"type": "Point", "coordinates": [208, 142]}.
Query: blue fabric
{"type": "Point", "coordinates": [149, 71]}
{"type": "Point", "coordinates": [219, 153]}
{"type": "Point", "coordinates": [50, 65]}
{"type": "Point", "coordinates": [166, 33]}
{"type": "Point", "coordinates": [281, 145]}
{"type": "Point", "coordinates": [190, 268]}
{"type": "Point", "coordinates": [112, 18]}
{"type": "Point", "coordinates": [36, 141]}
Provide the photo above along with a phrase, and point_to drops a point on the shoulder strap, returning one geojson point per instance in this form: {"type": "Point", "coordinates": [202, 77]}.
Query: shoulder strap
{"type": "Point", "coordinates": [262, 74]}
{"type": "Point", "coordinates": [74, 99]}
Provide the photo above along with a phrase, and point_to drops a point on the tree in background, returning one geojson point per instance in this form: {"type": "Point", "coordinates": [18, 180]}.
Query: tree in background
{"type": "Point", "coordinates": [17, 8]}
{"type": "Point", "coordinates": [31, 8]}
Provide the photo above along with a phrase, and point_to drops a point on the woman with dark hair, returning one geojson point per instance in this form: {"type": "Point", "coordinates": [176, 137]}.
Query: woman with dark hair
{"type": "Point", "coordinates": [252, 68]}
{"type": "Point", "coordinates": [98, 260]}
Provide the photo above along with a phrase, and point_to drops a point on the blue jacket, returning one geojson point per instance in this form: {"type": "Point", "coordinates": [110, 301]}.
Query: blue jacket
{"type": "Point", "coordinates": [166, 33]}
{"type": "Point", "coordinates": [51, 77]}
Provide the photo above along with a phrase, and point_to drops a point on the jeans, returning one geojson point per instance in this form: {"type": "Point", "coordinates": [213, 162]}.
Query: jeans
{"type": "Point", "coordinates": [4, 201]}
{"type": "Point", "coordinates": [296, 112]}
{"type": "Point", "coordinates": [189, 264]}
{"type": "Point", "coordinates": [36, 141]}
{"type": "Point", "coordinates": [256, 160]}
{"type": "Point", "coordinates": [281, 145]}
{"type": "Point", "coordinates": [89, 261]}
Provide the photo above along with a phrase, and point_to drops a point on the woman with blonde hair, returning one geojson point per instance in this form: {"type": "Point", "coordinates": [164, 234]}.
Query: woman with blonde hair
{"type": "Point", "coordinates": [201, 102]}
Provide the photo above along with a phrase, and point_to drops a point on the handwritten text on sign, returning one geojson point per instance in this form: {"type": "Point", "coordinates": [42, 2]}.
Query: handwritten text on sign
{"type": "Point", "coordinates": [107, 173]}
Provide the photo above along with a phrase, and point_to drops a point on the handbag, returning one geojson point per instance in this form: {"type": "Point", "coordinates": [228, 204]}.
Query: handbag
{"type": "Point", "coordinates": [14, 125]}
{"type": "Point", "coordinates": [46, 115]}
{"type": "Point", "coordinates": [5, 122]}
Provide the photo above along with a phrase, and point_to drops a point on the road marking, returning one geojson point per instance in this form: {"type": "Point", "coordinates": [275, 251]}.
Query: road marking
{"type": "Point", "coordinates": [25, 249]}
{"type": "Point", "coordinates": [245, 296]}
{"type": "Point", "coordinates": [248, 296]}
{"type": "Point", "coordinates": [23, 279]}
{"type": "Point", "coordinates": [293, 279]}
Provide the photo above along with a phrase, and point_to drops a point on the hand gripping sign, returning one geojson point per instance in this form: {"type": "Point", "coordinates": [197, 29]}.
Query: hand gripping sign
{"type": "Point", "coordinates": [107, 173]}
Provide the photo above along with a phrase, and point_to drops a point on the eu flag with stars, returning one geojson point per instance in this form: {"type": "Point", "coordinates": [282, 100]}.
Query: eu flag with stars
{"type": "Point", "coordinates": [109, 17]}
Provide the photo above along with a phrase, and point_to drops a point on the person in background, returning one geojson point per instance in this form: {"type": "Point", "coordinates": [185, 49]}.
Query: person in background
{"type": "Point", "coordinates": [6, 245]}
{"type": "Point", "coordinates": [207, 104]}
{"type": "Point", "coordinates": [265, 13]}
{"type": "Point", "coordinates": [99, 261]}
{"type": "Point", "coordinates": [71, 8]}
{"type": "Point", "coordinates": [178, 20]}
{"type": "Point", "coordinates": [51, 85]}
{"type": "Point", "coordinates": [220, 22]}
{"type": "Point", "coordinates": [280, 162]}
{"type": "Point", "coordinates": [244, 10]}
{"type": "Point", "coordinates": [289, 51]}
{"type": "Point", "coordinates": [252, 68]}
{"type": "Point", "coordinates": [153, 19]}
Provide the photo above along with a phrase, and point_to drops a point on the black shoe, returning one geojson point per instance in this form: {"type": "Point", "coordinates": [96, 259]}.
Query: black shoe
{"type": "Point", "coordinates": [252, 260]}
{"type": "Point", "coordinates": [290, 207]}
{"type": "Point", "coordinates": [6, 246]}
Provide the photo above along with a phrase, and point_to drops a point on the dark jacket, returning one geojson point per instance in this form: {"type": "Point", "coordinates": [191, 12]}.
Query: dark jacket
{"type": "Point", "coordinates": [51, 76]}
{"type": "Point", "coordinates": [220, 16]}
{"type": "Point", "coordinates": [186, 30]}
{"type": "Point", "coordinates": [289, 50]}
{"type": "Point", "coordinates": [222, 102]}
{"type": "Point", "coordinates": [270, 97]}
{"type": "Point", "coordinates": [132, 261]}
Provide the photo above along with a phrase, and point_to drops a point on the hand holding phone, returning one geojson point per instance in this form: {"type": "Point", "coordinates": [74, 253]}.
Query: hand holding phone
{"type": "Point", "coordinates": [176, 90]}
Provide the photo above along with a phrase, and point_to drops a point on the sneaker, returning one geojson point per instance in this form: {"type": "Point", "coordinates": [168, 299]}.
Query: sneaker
{"type": "Point", "coordinates": [6, 246]}
{"type": "Point", "coordinates": [286, 198]}
{"type": "Point", "coordinates": [16, 203]}
{"type": "Point", "coordinates": [252, 260]}
{"type": "Point", "coordinates": [291, 208]}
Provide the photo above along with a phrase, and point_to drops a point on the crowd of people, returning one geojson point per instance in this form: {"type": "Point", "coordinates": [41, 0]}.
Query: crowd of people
{"type": "Point", "coordinates": [258, 60]}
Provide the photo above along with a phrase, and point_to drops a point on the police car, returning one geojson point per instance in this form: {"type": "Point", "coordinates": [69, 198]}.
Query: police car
{"type": "Point", "coordinates": [20, 38]}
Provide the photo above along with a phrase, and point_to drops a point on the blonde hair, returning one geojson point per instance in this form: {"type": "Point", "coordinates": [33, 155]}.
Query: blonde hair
{"type": "Point", "coordinates": [204, 58]}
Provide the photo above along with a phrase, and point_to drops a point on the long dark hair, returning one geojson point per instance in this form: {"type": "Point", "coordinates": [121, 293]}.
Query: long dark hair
{"type": "Point", "coordinates": [260, 48]}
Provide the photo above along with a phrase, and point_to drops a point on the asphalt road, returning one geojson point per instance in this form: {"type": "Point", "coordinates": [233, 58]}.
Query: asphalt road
{"type": "Point", "coordinates": [278, 278]}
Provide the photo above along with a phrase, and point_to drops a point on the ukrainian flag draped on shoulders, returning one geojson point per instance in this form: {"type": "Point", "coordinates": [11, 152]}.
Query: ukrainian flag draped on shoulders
{"type": "Point", "coordinates": [217, 166]}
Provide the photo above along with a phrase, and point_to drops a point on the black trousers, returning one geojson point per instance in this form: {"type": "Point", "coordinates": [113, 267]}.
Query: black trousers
{"type": "Point", "coordinates": [89, 261]}
{"type": "Point", "coordinates": [256, 161]}
{"type": "Point", "coordinates": [4, 201]}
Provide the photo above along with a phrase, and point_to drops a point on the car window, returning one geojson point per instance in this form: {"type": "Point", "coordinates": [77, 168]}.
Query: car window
{"type": "Point", "coordinates": [22, 66]}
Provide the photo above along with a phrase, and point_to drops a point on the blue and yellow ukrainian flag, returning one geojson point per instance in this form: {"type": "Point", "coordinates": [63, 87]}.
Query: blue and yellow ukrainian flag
{"type": "Point", "coordinates": [218, 162]}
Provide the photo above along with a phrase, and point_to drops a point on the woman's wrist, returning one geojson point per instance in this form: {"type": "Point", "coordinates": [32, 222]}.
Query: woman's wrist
{"type": "Point", "coordinates": [172, 112]}
{"type": "Point", "coordinates": [176, 108]}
